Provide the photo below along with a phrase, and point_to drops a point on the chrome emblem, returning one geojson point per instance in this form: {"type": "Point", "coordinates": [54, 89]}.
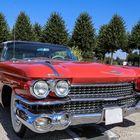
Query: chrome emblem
{"type": "Point", "coordinates": [114, 72]}
{"type": "Point", "coordinates": [54, 75]}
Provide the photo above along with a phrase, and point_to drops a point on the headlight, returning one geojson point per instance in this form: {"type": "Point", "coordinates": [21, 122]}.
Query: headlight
{"type": "Point", "coordinates": [40, 89]}
{"type": "Point", "coordinates": [62, 88]}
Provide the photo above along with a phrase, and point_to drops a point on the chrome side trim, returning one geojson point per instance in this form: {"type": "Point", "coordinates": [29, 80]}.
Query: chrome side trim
{"type": "Point", "coordinates": [43, 102]}
{"type": "Point", "coordinates": [66, 100]}
{"type": "Point", "coordinates": [102, 84]}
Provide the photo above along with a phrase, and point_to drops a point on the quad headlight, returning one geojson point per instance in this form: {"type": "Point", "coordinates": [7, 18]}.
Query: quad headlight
{"type": "Point", "coordinates": [62, 88]}
{"type": "Point", "coordinates": [40, 89]}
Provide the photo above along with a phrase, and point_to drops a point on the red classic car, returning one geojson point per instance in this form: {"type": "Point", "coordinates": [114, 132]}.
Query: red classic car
{"type": "Point", "coordinates": [47, 89]}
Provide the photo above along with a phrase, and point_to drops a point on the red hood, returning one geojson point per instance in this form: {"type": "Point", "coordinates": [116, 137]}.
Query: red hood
{"type": "Point", "coordinates": [79, 72]}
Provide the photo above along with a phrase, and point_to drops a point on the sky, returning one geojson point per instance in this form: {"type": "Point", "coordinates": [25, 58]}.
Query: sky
{"type": "Point", "coordinates": [101, 11]}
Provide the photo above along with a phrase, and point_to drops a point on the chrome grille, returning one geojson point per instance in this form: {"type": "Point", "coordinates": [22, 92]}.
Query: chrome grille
{"type": "Point", "coordinates": [84, 107]}
{"type": "Point", "coordinates": [101, 90]}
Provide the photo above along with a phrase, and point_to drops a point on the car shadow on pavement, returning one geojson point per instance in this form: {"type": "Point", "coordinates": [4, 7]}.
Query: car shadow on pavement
{"type": "Point", "coordinates": [126, 123]}
{"type": "Point", "coordinates": [82, 131]}
{"type": "Point", "coordinates": [89, 132]}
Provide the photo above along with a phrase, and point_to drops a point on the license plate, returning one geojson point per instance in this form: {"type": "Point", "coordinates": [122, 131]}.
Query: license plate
{"type": "Point", "coordinates": [113, 115]}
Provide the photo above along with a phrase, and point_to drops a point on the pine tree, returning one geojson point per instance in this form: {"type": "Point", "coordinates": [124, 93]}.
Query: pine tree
{"type": "Point", "coordinates": [4, 29]}
{"type": "Point", "coordinates": [134, 40]}
{"type": "Point", "coordinates": [128, 48]}
{"type": "Point", "coordinates": [83, 35]}
{"type": "Point", "coordinates": [37, 31]}
{"type": "Point", "coordinates": [102, 44]}
{"type": "Point", "coordinates": [55, 30]}
{"type": "Point", "coordinates": [116, 35]}
{"type": "Point", "coordinates": [23, 28]}
{"type": "Point", "coordinates": [135, 36]}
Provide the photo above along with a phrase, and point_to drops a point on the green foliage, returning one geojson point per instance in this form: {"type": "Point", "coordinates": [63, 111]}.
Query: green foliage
{"type": "Point", "coordinates": [77, 52]}
{"type": "Point", "coordinates": [115, 62]}
{"type": "Point", "coordinates": [4, 30]}
{"type": "Point", "coordinates": [83, 35]}
{"type": "Point", "coordinates": [23, 28]}
{"type": "Point", "coordinates": [116, 35]}
{"type": "Point", "coordinates": [102, 43]}
{"type": "Point", "coordinates": [134, 40]}
{"type": "Point", "coordinates": [37, 31]}
{"type": "Point", "coordinates": [128, 49]}
{"type": "Point", "coordinates": [133, 58]}
{"type": "Point", "coordinates": [55, 30]}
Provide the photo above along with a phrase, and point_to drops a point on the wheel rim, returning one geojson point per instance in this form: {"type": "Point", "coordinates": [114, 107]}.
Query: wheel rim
{"type": "Point", "coordinates": [15, 122]}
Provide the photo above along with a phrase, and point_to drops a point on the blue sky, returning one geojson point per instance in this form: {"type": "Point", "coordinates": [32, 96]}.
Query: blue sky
{"type": "Point", "coordinates": [101, 11]}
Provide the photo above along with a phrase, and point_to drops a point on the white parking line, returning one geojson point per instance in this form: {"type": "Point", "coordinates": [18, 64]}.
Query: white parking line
{"type": "Point", "coordinates": [111, 135]}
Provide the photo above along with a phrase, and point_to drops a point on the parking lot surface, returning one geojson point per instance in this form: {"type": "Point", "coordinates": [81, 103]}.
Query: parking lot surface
{"type": "Point", "coordinates": [128, 130]}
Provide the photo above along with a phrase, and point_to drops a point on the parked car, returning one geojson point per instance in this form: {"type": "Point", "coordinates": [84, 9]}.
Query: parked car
{"type": "Point", "coordinates": [47, 88]}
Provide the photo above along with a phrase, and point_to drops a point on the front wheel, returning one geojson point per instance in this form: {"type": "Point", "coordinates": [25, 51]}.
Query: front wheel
{"type": "Point", "coordinates": [18, 127]}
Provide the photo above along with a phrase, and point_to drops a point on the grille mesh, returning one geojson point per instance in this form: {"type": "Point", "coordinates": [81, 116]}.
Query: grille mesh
{"type": "Point", "coordinates": [101, 90]}
{"type": "Point", "coordinates": [82, 107]}
{"type": "Point", "coordinates": [92, 107]}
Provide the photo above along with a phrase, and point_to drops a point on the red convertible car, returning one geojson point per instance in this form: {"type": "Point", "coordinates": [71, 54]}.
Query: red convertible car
{"type": "Point", "coordinates": [47, 88]}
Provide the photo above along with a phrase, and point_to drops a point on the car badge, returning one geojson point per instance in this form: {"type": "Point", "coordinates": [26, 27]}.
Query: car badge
{"type": "Point", "coordinates": [114, 72]}
{"type": "Point", "coordinates": [53, 75]}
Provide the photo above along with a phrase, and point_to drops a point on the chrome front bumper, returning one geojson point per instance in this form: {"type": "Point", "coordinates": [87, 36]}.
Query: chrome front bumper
{"type": "Point", "coordinates": [56, 119]}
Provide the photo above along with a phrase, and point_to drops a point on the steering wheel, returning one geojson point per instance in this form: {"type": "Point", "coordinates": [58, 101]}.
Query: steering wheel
{"type": "Point", "coordinates": [58, 57]}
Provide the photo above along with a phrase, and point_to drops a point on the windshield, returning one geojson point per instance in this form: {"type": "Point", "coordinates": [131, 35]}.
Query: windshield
{"type": "Point", "coordinates": [37, 50]}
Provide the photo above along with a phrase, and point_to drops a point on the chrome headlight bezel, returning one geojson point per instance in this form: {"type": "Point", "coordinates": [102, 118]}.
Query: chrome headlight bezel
{"type": "Point", "coordinates": [34, 92]}
{"type": "Point", "coordinates": [58, 92]}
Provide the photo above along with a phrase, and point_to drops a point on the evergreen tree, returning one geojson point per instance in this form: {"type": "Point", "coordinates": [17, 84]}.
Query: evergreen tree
{"type": "Point", "coordinates": [116, 35]}
{"type": "Point", "coordinates": [55, 30]}
{"type": "Point", "coordinates": [37, 31]}
{"type": "Point", "coordinates": [23, 28]}
{"type": "Point", "coordinates": [83, 35]}
{"type": "Point", "coordinates": [102, 44]}
{"type": "Point", "coordinates": [135, 36]}
{"type": "Point", "coordinates": [128, 48]}
{"type": "Point", "coordinates": [134, 40]}
{"type": "Point", "coordinates": [4, 30]}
